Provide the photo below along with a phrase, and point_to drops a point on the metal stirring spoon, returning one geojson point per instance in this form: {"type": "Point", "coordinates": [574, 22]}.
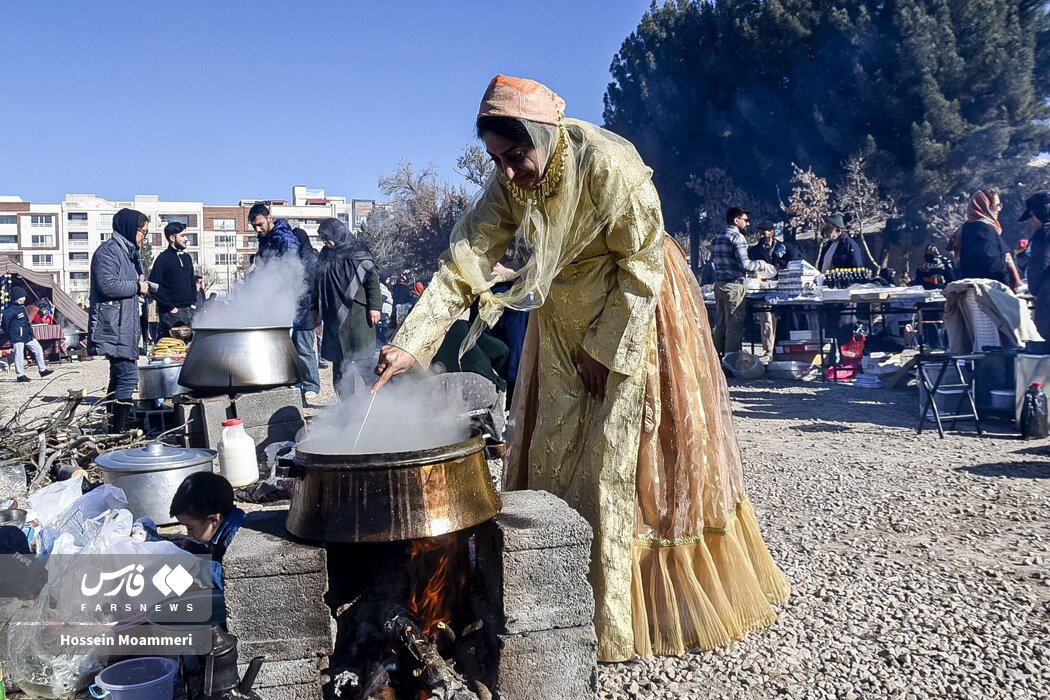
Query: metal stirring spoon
{"type": "Point", "coordinates": [362, 430]}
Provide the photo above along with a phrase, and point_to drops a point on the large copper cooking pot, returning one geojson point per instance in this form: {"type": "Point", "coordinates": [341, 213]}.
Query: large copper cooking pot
{"type": "Point", "coordinates": [229, 360]}
{"type": "Point", "coordinates": [393, 496]}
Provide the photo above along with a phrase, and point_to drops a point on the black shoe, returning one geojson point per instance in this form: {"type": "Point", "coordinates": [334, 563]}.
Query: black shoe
{"type": "Point", "coordinates": [45, 372]}
{"type": "Point", "coordinates": [22, 378]}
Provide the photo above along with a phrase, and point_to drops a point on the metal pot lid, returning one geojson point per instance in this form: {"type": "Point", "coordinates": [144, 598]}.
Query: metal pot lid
{"type": "Point", "coordinates": [154, 457]}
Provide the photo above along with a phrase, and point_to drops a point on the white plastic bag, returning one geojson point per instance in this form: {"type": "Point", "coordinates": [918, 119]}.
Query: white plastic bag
{"type": "Point", "coordinates": [75, 518]}
{"type": "Point", "coordinates": [48, 502]}
{"type": "Point", "coordinates": [12, 480]}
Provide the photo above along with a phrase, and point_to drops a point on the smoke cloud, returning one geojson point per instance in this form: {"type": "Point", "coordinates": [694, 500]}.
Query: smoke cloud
{"type": "Point", "coordinates": [409, 413]}
{"type": "Point", "coordinates": [268, 296]}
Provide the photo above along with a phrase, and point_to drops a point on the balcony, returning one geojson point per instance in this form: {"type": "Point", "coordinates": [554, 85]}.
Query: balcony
{"type": "Point", "coordinates": [78, 285]}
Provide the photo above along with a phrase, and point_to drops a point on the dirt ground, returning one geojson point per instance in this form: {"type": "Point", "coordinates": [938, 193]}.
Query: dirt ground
{"type": "Point", "coordinates": [919, 565]}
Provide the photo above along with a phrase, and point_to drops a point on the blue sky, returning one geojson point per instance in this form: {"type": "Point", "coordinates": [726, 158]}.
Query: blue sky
{"type": "Point", "coordinates": [217, 101]}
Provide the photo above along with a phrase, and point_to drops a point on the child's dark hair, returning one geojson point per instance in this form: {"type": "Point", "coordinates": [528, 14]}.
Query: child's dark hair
{"type": "Point", "coordinates": [202, 494]}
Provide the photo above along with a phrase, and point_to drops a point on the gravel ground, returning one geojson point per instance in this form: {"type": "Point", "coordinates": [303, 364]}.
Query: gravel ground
{"type": "Point", "coordinates": [919, 565]}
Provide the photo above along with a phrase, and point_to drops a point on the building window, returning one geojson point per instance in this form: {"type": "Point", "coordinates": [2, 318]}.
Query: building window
{"type": "Point", "coordinates": [195, 257]}
{"type": "Point", "coordinates": [105, 236]}
{"type": "Point", "coordinates": [43, 240]}
{"type": "Point", "coordinates": [46, 260]}
{"type": "Point", "coordinates": [6, 220]}
{"type": "Point", "coordinates": [345, 218]}
{"type": "Point", "coordinates": [225, 258]}
{"type": "Point", "coordinates": [226, 241]}
{"type": "Point", "coordinates": [9, 240]}
{"type": "Point", "coordinates": [42, 220]}
{"type": "Point", "coordinates": [105, 221]}
{"type": "Point", "coordinates": [250, 242]}
{"type": "Point", "coordinates": [78, 257]}
{"type": "Point", "coordinates": [78, 237]}
{"type": "Point", "coordinates": [76, 216]}
{"type": "Point", "coordinates": [78, 276]}
{"type": "Point", "coordinates": [191, 239]}
{"type": "Point", "coordinates": [224, 224]}
{"type": "Point", "coordinates": [183, 219]}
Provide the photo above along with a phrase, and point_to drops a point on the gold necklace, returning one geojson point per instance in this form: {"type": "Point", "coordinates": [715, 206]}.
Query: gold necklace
{"type": "Point", "coordinates": [547, 184]}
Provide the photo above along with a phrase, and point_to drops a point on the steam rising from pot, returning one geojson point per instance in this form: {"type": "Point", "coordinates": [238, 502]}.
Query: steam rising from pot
{"type": "Point", "coordinates": [268, 296]}
{"type": "Point", "coordinates": [408, 414]}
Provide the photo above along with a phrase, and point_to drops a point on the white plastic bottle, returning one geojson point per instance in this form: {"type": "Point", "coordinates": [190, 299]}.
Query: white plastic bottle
{"type": "Point", "coordinates": [236, 450]}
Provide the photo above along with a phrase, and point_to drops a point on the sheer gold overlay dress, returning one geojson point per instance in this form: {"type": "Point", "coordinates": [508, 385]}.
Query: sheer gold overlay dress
{"type": "Point", "coordinates": [658, 459]}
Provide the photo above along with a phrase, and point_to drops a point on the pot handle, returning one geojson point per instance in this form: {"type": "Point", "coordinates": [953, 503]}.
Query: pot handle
{"type": "Point", "coordinates": [97, 692]}
{"type": "Point", "coordinates": [287, 468]}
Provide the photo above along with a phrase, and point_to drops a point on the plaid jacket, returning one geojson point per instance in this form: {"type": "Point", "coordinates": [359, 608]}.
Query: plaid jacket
{"type": "Point", "coordinates": [729, 256]}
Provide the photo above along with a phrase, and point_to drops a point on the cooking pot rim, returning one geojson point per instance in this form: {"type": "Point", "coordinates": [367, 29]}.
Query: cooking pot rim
{"type": "Point", "coordinates": [226, 329]}
{"type": "Point", "coordinates": [392, 460]}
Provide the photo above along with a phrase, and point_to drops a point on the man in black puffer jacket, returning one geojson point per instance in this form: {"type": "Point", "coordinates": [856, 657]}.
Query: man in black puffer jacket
{"type": "Point", "coordinates": [15, 324]}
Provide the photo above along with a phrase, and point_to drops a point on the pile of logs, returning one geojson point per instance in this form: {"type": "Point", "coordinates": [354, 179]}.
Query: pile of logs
{"type": "Point", "coordinates": [61, 443]}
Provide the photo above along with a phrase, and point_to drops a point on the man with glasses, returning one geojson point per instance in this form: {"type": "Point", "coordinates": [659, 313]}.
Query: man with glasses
{"type": "Point", "coordinates": [731, 263]}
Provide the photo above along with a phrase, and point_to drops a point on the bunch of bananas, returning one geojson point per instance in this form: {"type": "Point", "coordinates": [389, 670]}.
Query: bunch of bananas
{"type": "Point", "coordinates": [169, 347]}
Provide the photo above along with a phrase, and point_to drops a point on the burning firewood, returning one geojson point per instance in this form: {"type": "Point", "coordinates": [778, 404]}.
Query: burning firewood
{"type": "Point", "coordinates": [435, 675]}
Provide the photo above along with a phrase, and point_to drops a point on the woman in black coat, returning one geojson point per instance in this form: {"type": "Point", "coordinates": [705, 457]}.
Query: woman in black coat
{"type": "Point", "coordinates": [114, 331]}
{"type": "Point", "coordinates": [348, 300]}
{"type": "Point", "coordinates": [983, 254]}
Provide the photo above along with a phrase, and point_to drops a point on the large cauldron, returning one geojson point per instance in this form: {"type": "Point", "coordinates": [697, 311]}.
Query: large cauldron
{"type": "Point", "coordinates": [228, 360]}
{"type": "Point", "coordinates": [394, 496]}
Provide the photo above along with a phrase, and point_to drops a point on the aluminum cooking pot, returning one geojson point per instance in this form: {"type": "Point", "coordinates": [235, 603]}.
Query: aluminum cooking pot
{"type": "Point", "coordinates": [150, 475]}
{"type": "Point", "coordinates": [160, 380]}
{"type": "Point", "coordinates": [228, 360]}
{"type": "Point", "coordinates": [393, 496]}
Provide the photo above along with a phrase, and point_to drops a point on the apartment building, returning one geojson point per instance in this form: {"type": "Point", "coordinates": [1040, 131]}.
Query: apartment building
{"type": "Point", "coordinates": [58, 239]}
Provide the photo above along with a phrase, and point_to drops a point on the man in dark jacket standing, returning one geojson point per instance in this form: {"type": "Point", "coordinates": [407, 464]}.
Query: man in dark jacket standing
{"type": "Point", "coordinates": [839, 250]}
{"type": "Point", "coordinates": [172, 272]}
{"type": "Point", "coordinates": [117, 283]}
{"type": "Point", "coordinates": [1037, 211]}
{"type": "Point", "coordinates": [303, 325]}
{"type": "Point", "coordinates": [276, 237]}
{"type": "Point", "coordinates": [16, 327]}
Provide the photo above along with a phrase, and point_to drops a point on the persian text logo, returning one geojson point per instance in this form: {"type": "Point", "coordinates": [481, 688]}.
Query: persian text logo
{"type": "Point", "coordinates": [129, 578]}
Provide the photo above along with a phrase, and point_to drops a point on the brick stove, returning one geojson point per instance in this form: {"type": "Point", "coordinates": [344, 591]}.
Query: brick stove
{"type": "Point", "coordinates": [532, 561]}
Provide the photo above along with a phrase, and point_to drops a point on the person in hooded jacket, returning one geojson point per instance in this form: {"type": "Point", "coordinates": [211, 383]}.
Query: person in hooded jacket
{"type": "Point", "coordinates": [114, 331]}
{"type": "Point", "coordinates": [276, 237]}
{"type": "Point", "coordinates": [348, 302]}
{"type": "Point", "coordinates": [303, 337]}
{"type": "Point", "coordinates": [1037, 212]}
{"type": "Point", "coordinates": [15, 325]}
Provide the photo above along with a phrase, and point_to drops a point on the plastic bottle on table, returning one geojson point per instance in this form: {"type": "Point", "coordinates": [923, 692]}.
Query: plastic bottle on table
{"type": "Point", "coordinates": [237, 461]}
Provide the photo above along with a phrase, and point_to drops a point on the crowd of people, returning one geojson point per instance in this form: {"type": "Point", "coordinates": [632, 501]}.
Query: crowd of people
{"type": "Point", "coordinates": [976, 250]}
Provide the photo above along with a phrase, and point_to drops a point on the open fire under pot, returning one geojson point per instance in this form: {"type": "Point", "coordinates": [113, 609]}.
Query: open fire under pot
{"type": "Point", "coordinates": [399, 529]}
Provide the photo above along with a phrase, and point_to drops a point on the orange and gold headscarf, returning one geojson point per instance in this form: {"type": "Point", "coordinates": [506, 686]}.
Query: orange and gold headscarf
{"type": "Point", "coordinates": [521, 98]}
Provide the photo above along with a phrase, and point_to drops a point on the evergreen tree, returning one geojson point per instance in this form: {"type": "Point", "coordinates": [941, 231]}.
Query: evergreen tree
{"type": "Point", "coordinates": [940, 97]}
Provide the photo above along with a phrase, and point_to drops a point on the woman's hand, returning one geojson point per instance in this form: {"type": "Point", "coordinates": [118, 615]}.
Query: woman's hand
{"type": "Point", "coordinates": [594, 374]}
{"type": "Point", "coordinates": [373, 318]}
{"type": "Point", "coordinates": [392, 362]}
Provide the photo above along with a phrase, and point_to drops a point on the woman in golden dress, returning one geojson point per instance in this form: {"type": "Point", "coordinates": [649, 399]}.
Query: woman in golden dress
{"type": "Point", "coordinates": [621, 408]}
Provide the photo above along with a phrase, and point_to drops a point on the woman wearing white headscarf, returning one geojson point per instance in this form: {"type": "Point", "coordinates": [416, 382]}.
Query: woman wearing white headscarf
{"type": "Point", "coordinates": [621, 407]}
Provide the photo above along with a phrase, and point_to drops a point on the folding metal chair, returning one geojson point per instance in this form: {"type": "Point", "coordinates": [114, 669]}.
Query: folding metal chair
{"type": "Point", "coordinates": [933, 370]}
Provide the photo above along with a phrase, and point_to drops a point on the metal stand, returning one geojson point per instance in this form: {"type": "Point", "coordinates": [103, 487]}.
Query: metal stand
{"type": "Point", "coordinates": [940, 364]}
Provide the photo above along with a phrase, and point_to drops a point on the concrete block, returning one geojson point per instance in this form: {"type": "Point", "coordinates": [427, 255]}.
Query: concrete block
{"type": "Point", "coordinates": [557, 663]}
{"type": "Point", "coordinates": [287, 680]}
{"type": "Point", "coordinates": [281, 405]}
{"type": "Point", "coordinates": [203, 418]}
{"type": "Point", "coordinates": [263, 548]}
{"type": "Point", "coordinates": [537, 589]}
{"type": "Point", "coordinates": [283, 617]}
{"type": "Point", "coordinates": [538, 520]}
{"type": "Point", "coordinates": [265, 435]}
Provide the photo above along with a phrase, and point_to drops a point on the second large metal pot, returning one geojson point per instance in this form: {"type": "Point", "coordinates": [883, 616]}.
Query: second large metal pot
{"type": "Point", "coordinates": [228, 360]}
{"type": "Point", "coordinates": [394, 496]}
{"type": "Point", "coordinates": [150, 475]}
